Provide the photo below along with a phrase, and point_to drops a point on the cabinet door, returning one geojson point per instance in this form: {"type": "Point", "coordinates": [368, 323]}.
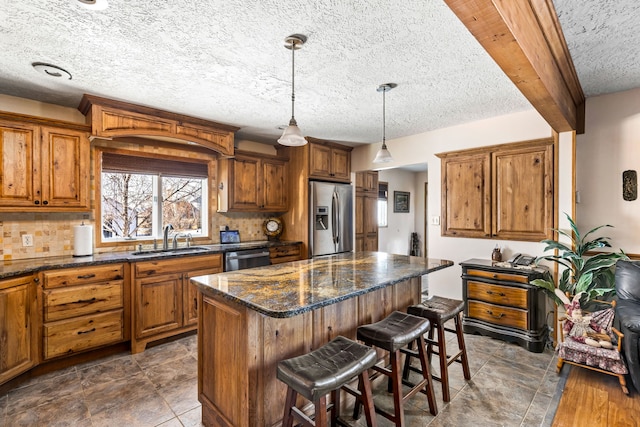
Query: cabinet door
{"type": "Point", "coordinates": [319, 161]}
{"type": "Point", "coordinates": [18, 352]}
{"type": "Point", "coordinates": [18, 180]}
{"type": "Point", "coordinates": [359, 225]}
{"type": "Point", "coordinates": [340, 164]}
{"type": "Point", "coordinates": [246, 184]}
{"type": "Point", "coordinates": [466, 195]}
{"type": "Point", "coordinates": [65, 165]}
{"type": "Point", "coordinates": [190, 297]}
{"type": "Point", "coordinates": [523, 189]}
{"type": "Point", "coordinates": [158, 304]}
{"type": "Point", "coordinates": [274, 178]}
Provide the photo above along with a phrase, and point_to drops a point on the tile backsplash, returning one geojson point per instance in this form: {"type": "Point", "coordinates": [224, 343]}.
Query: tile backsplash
{"type": "Point", "coordinates": [53, 232]}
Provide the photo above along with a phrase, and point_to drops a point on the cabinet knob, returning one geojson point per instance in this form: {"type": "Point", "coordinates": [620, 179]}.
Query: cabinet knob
{"type": "Point", "coordinates": [37, 202]}
{"type": "Point", "coordinates": [45, 202]}
{"type": "Point", "coordinates": [36, 280]}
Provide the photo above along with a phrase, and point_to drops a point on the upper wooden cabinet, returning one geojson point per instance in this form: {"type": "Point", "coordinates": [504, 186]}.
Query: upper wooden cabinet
{"type": "Point", "coordinates": [366, 226]}
{"type": "Point", "coordinates": [45, 166]}
{"type": "Point", "coordinates": [329, 161]}
{"type": "Point", "coordinates": [500, 192]}
{"type": "Point", "coordinates": [252, 182]}
{"type": "Point", "coordinates": [110, 118]}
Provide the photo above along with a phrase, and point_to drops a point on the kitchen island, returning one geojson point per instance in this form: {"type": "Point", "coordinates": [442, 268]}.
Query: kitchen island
{"type": "Point", "coordinates": [249, 320]}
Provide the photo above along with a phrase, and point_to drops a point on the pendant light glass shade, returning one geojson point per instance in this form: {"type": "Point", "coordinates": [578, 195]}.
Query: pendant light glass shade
{"type": "Point", "coordinates": [383, 155]}
{"type": "Point", "coordinates": [292, 135]}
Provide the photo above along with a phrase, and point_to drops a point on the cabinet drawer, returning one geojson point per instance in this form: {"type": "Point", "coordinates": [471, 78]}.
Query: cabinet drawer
{"type": "Point", "coordinates": [284, 254]}
{"type": "Point", "coordinates": [504, 295]}
{"type": "Point", "coordinates": [82, 333]}
{"type": "Point", "coordinates": [506, 277]}
{"type": "Point", "coordinates": [513, 317]}
{"type": "Point", "coordinates": [80, 276]}
{"type": "Point", "coordinates": [72, 301]}
{"type": "Point", "coordinates": [177, 265]}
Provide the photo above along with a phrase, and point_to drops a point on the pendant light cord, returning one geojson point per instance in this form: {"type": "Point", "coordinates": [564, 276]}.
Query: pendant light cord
{"type": "Point", "coordinates": [293, 79]}
{"type": "Point", "coordinates": [384, 119]}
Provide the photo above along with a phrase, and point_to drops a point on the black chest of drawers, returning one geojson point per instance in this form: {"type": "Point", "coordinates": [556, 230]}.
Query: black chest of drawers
{"type": "Point", "coordinates": [499, 302]}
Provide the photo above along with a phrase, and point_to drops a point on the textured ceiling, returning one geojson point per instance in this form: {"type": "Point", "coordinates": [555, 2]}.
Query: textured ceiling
{"type": "Point", "coordinates": [225, 61]}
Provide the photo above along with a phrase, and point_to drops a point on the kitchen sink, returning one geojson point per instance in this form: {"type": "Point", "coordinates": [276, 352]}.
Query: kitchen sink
{"type": "Point", "coordinates": [171, 251]}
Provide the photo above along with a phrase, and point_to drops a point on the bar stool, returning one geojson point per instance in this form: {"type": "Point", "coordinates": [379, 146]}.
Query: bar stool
{"type": "Point", "coordinates": [438, 310]}
{"type": "Point", "coordinates": [327, 370]}
{"type": "Point", "coordinates": [392, 334]}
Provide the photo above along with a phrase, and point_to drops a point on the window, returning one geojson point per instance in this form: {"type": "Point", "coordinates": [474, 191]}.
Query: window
{"type": "Point", "coordinates": [141, 195]}
{"type": "Point", "coordinates": [383, 192]}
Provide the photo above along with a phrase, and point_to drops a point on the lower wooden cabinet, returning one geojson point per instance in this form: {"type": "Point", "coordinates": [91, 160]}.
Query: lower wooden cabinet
{"type": "Point", "coordinates": [18, 326]}
{"type": "Point", "coordinates": [500, 302]}
{"type": "Point", "coordinates": [286, 253]}
{"type": "Point", "coordinates": [164, 300]}
{"type": "Point", "coordinates": [83, 309]}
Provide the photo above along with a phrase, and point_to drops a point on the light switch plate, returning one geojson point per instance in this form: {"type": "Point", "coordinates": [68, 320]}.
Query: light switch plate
{"type": "Point", "coordinates": [27, 240]}
{"type": "Point", "coordinates": [435, 220]}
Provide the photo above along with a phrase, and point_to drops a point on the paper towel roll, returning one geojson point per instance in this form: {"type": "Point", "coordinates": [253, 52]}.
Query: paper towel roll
{"type": "Point", "coordinates": [82, 240]}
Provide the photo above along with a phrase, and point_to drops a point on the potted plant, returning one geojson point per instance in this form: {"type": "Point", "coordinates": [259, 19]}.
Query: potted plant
{"type": "Point", "coordinates": [593, 276]}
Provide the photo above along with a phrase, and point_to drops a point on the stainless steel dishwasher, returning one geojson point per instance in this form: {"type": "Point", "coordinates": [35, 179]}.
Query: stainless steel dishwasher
{"type": "Point", "coordinates": [248, 258]}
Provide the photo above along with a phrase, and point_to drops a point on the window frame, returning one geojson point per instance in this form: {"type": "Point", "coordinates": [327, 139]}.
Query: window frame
{"type": "Point", "coordinates": [206, 196]}
{"type": "Point", "coordinates": [385, 200]}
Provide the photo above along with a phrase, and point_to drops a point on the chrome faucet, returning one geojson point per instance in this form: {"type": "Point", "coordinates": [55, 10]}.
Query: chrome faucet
{"type": "Point", "coordinates": [189, 240]}
{"type": "Point", "coordinates": [165, 236]}
{"type": "Point", "coordinates": [187, 236]}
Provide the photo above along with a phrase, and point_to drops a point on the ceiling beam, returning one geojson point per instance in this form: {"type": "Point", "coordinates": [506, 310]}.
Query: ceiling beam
{"type": "Point", "coordinates": [525, 39]}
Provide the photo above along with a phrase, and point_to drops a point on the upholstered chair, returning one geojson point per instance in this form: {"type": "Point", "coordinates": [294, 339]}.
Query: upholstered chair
{"type": "Point", "coordinates": [628, 315]}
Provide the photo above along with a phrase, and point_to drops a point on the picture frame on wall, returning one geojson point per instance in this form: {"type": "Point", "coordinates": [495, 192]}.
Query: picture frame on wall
{"type": "Point", "coordinates": [401, 201]}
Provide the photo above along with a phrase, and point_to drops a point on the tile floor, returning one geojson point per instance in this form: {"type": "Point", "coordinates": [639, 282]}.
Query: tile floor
{"type": "Point", "coordinates": [509, 387]}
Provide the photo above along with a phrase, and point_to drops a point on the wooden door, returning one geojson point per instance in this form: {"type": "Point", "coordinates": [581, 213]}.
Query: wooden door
{"type": "Point", "coordinates": [65, 166]}
{"type": "Point", "coordinates": [466, 195]}
{"type": "Point", "coordinates": [341, 164]}
{"type": "Point", "coordinates": [18, 352]}
{"type": "Point", "coordinates": [158, 304]}
{"type": "Point", "coordinates": [246, 184]}
{"type": "Point", "coordinates": [19, 175]}
{"type": "Point", "coordinates": [523, 193]}
{"type": "Point", "coordinates": [319, 161]}
{"type": "Point", "coordinates": [274, 177]}
{"type": "Point", "coordinates": [370, 223]}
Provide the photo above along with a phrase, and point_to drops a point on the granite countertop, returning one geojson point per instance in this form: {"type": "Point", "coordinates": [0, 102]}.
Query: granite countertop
{"type": "Point", "coordinates": [289, 289]}
{"type": "Point", "coordinates": [32, 265]}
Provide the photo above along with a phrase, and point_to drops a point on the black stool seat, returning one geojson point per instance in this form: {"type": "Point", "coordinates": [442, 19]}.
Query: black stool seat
{"type": "Point", "coordinates": [328, 368]}
{"type": "Point", "coordinates": [437, 309]}
{"type": "Point", "coordinates": [393, 332]}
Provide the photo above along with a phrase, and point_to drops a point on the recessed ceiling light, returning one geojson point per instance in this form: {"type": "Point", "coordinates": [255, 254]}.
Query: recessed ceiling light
{"type": "Point", "coordinates": [93, 4]}
{"type": "Point", "coordinates": [51, 70]}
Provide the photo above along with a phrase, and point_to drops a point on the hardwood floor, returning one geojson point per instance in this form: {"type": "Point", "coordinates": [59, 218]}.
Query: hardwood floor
{"type": "Point", "coordinates": [594, 399]}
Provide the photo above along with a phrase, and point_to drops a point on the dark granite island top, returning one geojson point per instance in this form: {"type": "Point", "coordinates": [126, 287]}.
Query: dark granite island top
{"type": "Point", "coordinates": [249, 320]}
{"type": "Point", "coordinates": [292, 288]}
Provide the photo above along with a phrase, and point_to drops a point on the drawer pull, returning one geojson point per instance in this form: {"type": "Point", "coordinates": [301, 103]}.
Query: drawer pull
{"type": "Point", "coordinates": [495, 276]}
{"type": "Point", "coordinates": [87, 276]}
{"type": "Point", "coordinates": [83, 301]}
{"type": "Point", "coordinates": [87, 332]}
{"type": "Point", "coordinates": [490, 313]}
{"type": "Point", "coordinates": [502, 294]}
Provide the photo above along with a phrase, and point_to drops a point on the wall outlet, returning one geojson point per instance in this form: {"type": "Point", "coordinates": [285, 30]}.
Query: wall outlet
{"type": "Point", "coordinates": [435, 220]}
{"type": "Point", "coordinates": [27, 240]}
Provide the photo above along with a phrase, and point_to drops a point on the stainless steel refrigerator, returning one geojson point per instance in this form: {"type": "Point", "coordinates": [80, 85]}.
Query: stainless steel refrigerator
{"type": "Point", "coordinates": [331, 221]}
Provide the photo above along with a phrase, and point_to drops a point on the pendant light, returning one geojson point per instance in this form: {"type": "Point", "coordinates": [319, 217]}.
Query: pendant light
{"type": "Point", "coordinates": [384, 156]}
{"type": "Point", "coordinates": [292, 136]}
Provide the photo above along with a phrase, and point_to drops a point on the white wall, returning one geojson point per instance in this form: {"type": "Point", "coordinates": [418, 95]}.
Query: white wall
{"type": "Point", "coordinates": [423, 147]}
{"type": "Point", "coordinates": [40, 109]}
{"type": "Point", "coordinates": [395, 238]}
{"type": "Point", "coordinates": [609, 146]}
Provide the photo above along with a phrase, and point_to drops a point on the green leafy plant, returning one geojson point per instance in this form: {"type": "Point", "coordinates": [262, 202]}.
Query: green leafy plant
{"type": "Point", "coordinates": [594, 276]}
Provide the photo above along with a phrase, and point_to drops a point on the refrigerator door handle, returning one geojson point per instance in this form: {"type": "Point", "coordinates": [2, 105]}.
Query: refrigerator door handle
{"type": "Point", "coordinates": [335, 205]}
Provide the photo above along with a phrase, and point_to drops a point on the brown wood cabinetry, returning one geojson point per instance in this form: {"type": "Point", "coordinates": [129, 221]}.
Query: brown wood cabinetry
{"type": "Point", "coordinates": [330, 162]}
{"type": "Point", "coordinates": [18, 326]}
{"type": "Point", "coordinates": [83, 308]}
{"type": "Point", "coordinates": [500, 302]}
{"type": "Point", "coordinates": [44, 167]}
{"type": "Point", "coordinates": [366, 223]}
{"type": "Point", "coordinates": [286, 253]}
{"type": "Point", "coordinates": [252, 182]}
{"type": "Point", "coordinates": [110, 118]}
{"type": "Point", "coordinates": [164, 300]}
{"type": "Point", "coordinates": [500, 192]}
